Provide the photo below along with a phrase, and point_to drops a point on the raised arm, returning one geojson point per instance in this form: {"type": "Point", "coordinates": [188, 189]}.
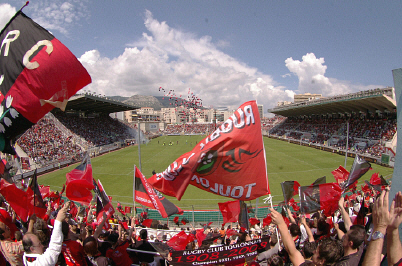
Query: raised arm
{"type": "Point", "coordinates": [98, 230]}
{"type": "Point", "coordinates": [394, 247]}
{"type": "Point", "coordinates": [380, 222]}
{"type": "Point", "coordinates": [291, 219]}
{"type": "Point", "coordinates": [339, 232]}
{"type": "Point", "coordinates": [295, 256]}
{"type": "Point", "coordinates": [132, 229]}
{"type": "Point", "coordinates": [308, 230]}
{"type": "Point", "coordinates": [344, 213]}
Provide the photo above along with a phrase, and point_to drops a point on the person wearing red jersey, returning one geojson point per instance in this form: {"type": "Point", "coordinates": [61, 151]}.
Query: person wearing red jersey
{"type": "Point", "coordinates": [118, 252]}
{"type": "Point", "coordinates": [72, 250]}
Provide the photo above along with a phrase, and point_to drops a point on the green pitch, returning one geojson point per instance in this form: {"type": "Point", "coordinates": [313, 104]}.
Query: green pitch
{"type": "Point", "coordinates": [285, 162]}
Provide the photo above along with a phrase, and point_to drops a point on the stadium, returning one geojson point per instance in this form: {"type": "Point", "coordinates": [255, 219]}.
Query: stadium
{"type": "Point", "coordinates": [303, 142]}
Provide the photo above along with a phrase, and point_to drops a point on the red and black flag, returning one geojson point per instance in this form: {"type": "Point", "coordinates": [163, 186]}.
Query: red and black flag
{"type": "Point", "coordinates": [37, 73]}
{"type": "Point", "coordinates": [243, 217]}
{"type": "Point", "coordinates": [79, 184]}
{"type": "Point", "coordinates": [184, 221]}
{"type": "Point", "coordinates": [376, 179]}
{"type": "Point", "coordinates": [220, 162]}
{"type": "Point", "coordinates": [289, 189]}
{"type": "Point", "coordinates": [359, 168]}
{"type": "Point", "coordinates": [230, 211]}
{"type": "Point", "coordinates": [145, 194]}
{"type": "Point", "coordinates": [319, 181]}
{"type": "Point", "coordinates": [120, 209]}
{"type": "Point", "coordinates": [102, 202]}
{"type": "Point", "coordinates": [35, 198]}
{"type": "Point", "coordinates": [323, 197]}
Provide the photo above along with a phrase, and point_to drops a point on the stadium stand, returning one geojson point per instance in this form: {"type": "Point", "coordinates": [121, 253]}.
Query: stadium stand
{"type": "Point", "coordinates": [371, 116]}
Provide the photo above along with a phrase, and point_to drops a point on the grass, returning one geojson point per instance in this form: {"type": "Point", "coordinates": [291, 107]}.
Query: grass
{"type": "Point", "coordinates": [285, 162]}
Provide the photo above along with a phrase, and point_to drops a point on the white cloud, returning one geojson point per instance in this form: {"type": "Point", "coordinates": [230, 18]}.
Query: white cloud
{"type": "Point", "coordinates": [6, 13]}
{"type": "Point", "coordinates": [311, 73]}
{"type": "Point", "coordinates": [60, 15]}
{"type": "Point", "coordinates": [173, 59]}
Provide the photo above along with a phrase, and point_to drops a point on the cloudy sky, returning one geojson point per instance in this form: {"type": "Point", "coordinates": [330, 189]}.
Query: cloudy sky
{"type": "Point", "coordinates": [226, 52]}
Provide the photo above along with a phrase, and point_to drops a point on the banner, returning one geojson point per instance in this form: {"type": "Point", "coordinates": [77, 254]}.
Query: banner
{"type": "Point", "coordinates": [230, 162]}
{"type": "Point", "coordinates": [37, 73]}
{"type": "Point", "coordinates": [79, 183]}
{"type": "Point", "coordinates": [219, 255]}
{"type": "Point", "coordinates": [146, 195]}
{"type": "Point", "coordinates": [324, 197]}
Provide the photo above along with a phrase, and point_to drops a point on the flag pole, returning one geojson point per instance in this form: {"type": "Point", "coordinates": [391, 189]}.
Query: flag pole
{"type": "Point", "coordinates": [270, 201]}
{"type": "Point", "coordinates": [26, 3]}
{"type": "Point", "coordinates": [347, 142]}
{"type": "Point", "coordinates": [134, 194]}
{"type": "Point", "coordinates": [139, 146]}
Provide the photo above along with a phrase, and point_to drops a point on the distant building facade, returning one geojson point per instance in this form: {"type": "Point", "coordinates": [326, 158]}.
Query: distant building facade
{"type": "Point", "coordinates": [298, 98]}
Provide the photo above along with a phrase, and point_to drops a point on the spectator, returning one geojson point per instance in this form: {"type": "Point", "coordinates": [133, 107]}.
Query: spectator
{"type": "Point", "coordinates": [34, 251]}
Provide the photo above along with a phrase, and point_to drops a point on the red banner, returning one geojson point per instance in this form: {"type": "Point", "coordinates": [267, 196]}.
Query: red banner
{"type": "Point", "coordinates": [230, 162]}
{"type": "Point", "coordinates": [221, 254]}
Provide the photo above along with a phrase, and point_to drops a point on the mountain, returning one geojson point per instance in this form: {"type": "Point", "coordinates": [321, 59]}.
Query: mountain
{"type": "Point", "coordinates": [156, 102]}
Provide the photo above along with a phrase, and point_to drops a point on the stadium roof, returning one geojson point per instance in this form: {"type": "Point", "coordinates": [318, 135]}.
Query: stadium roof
{"type": "Point", "coordinates": [363, 101]}
{"type": "Point", "coordinates": [94, 104]}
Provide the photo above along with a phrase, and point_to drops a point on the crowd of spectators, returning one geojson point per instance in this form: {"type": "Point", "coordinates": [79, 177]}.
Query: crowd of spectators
{"type": "Point", "coordinates": [367, 133]}
{"type": "Point", "coordinates": [355, 234]}
{"type": "Point", "coordinates": [97, 131]}
{"type": "Point", "coordinates": [45, 143]}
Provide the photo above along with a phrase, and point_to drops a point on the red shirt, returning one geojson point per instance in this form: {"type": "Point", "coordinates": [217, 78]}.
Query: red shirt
{"type": "Point", "coordinates": [73, 253]}
{"type": "Point", "coordinates": [119, 255]}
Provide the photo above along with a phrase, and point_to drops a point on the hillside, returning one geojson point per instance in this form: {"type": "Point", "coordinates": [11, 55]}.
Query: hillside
{"type": "Point", "coordinates": [156, 102]}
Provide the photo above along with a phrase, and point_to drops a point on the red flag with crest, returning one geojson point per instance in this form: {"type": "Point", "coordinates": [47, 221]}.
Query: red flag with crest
{"type": "Point", "coordinates": [220, 163]}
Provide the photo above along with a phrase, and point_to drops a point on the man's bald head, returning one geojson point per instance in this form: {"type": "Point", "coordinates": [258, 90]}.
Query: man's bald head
{"type": "Point", "coordinates": [32, 244]}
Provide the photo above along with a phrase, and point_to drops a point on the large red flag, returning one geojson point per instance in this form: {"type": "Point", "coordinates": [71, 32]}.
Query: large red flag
{"type": "Point", "coordinates": [230, 162]}
{"type": "Point", "coordinates": [17, 198]}
{"type": "Point", "coordinates": [230, 211]}
{"type": "Point", "coordinates": [79, 184]}
{"type": "Point", "coordinates": [37, 73]}
{"type": "Point", "coordinates": [146, 195]}
{"type": "Point", "coordinates": [323, 197]}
